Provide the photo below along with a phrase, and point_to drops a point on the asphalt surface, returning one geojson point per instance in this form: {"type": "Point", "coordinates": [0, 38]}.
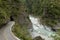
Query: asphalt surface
{"type": "Point", "coordinates": [5, 32]}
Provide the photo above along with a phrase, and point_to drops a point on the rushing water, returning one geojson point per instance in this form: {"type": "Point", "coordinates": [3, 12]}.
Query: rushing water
{"type": "Point", "coordinates": [40, 30]}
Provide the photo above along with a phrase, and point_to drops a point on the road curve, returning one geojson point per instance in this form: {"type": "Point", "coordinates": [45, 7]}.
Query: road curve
{"type": "Point", "coordinates": [5, 32]}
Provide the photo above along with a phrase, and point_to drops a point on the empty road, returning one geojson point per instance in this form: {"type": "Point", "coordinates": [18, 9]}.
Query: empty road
{"type": "Point", "coordinates": [5, 32]}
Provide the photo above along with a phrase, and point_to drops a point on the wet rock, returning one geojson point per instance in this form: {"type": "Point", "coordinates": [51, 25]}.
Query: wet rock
{"type": "Point", "coordinates": [38, 38]}
{"type": "Point", "coordinates": [57, 26]}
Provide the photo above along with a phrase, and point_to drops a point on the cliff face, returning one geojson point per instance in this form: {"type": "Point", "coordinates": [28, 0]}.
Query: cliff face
{"type": "Point", "coordinates": [24, 20]}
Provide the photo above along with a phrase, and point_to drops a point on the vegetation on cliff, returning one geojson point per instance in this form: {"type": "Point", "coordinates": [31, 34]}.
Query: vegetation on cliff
{"type": "Point", "coordinates": [8, 8]}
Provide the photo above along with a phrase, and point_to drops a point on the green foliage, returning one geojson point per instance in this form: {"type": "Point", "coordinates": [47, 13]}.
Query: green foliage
{"type": "Point", "coordinates": [21, 32]}
{"type": "Point", "coordinates": [56, 37]}
{"type": "Point", "coordinates": [8, 8]}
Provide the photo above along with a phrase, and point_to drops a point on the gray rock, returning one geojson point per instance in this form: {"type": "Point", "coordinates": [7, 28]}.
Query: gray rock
{"type": "Point", "coordinates": [38, 38]}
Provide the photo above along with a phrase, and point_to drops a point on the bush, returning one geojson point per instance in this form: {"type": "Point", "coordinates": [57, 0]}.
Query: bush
{"type": "Point", "coordinates": [21, 32]}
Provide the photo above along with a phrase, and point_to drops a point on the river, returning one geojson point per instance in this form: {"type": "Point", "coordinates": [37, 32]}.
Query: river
{"type": "Point", "coordinates": [40, 30]}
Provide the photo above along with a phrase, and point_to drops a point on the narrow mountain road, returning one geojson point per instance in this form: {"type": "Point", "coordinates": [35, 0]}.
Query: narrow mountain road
{"type": "Point", "coordinates": [5, 32]}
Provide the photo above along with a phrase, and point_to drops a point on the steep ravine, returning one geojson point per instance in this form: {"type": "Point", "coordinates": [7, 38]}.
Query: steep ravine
{"type": "Point", "coordinates": [28, 23]}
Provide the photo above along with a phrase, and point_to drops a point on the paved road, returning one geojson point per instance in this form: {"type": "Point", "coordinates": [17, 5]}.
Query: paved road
{"type": "Point", "coordinates": [5, 32]}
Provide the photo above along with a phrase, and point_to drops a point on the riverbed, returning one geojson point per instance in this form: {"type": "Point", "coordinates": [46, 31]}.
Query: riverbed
{"type": "Point", "coordinates": [40, 30]}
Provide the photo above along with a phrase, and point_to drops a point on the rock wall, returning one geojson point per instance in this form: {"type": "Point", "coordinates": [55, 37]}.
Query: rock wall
{"type": "Point", "coordinates": [24, 20]}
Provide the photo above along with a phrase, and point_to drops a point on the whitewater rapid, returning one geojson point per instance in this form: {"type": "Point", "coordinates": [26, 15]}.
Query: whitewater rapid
{"type": "Point", "coordinates": [40, 30]}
